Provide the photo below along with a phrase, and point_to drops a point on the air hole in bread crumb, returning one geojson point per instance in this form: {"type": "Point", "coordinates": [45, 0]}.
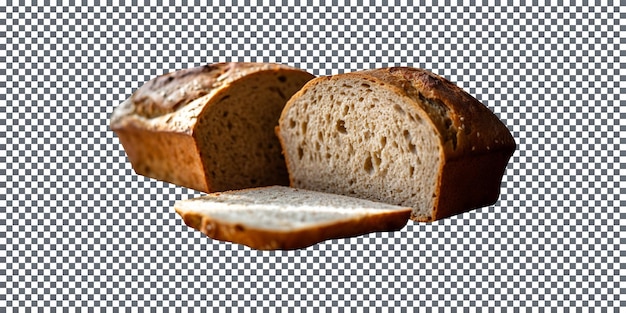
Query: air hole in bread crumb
{"type": "Point", "coordinates": [327, 156]}
{"type": "Point", "coordinates": [412, 148]}
{"type": "Point", "coordinates": [383, 141]}
{"type": "Point", "coordinates": [317, 146]}
{"type": "Point", "coordinates": [406, 135]}
{"type": "Point", "coordinates": [341, 126]}
{"type": "Point", "coordinates": [300, 153]}
{"type": "Point", "coordinates": [304, 127]}
{"type": "Point", "coordinates": [411, 170]}
{"type": "Point", "coordinates": [346, 109]}
{"type": "Point", "coordinates": [377, 159]}
{"type": "Point", "coordinates": [320, 136]}
{"type": "Point", "coordinates": [365, 85]}
{"type": "Point", "coordinates": [292, 123]}
{"type": "Point", "coordinates": [351, 182]}
{"type": "Point", "coordinates": [361, 99]}
{"type": "Point", "coordinates": [368, 166]}
{"type": "Point", "coordinates": [332, 97]}
{"type": "Point", "coordinates": [398, 109]}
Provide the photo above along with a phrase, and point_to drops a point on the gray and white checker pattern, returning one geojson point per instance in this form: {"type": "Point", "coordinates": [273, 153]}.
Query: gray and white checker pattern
{"type": "Point", "coordinates": [78, 228]}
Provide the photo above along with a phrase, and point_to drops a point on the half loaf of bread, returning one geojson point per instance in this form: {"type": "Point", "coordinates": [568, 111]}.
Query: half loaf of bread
{"type": "Point", "coordinates": [277, 217]}
{"type": "Point", "coordinates": [399, 135]}
{"type": "Point", "coordinates": [209, 128]}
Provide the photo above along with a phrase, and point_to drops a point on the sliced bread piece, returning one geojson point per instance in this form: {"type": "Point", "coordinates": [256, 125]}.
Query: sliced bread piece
{"type": "Point", "coordinates": [277, 217]}
{"type": "Point", "coordinates": [209, 128]}
{"type": "Point", "coordinates": [398, 135]}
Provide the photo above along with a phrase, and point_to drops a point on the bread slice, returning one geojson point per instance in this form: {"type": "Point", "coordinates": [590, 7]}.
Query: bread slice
{"type": "Point", "coordinates": [398, 135]}
{"type": "Point", "coordinates": [209, 128]}
{"type": "Point", "coordinates": [277, 217]}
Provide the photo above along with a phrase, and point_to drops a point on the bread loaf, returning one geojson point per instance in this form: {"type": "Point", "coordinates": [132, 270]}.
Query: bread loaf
{"type": "Point", "coordinates": [403, 136]}
{"type": "Point", "coordinates": [209, 128]}
{"type": "Point", "coordinates": [277, 217]}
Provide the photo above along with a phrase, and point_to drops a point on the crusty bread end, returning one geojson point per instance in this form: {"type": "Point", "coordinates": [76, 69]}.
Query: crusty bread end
{"type": "Point", "coordinates": [397, 135]}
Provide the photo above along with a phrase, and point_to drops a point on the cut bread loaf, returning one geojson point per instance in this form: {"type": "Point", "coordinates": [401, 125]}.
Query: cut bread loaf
{"type": "Point", "coordinates": [403, 136]}
{"type": "Point", "coordinates": [209, 128]}
{"type": "Point", "coordinates": [277, 217]}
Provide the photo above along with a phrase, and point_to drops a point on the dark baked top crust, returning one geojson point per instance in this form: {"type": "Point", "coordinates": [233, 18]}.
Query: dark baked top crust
{"type": "Point", "coordinates": [465, 124]}
{"type": "Point", "coordinates": [166, 93]}
{"type": "Point", "coordinates": [173, 101]}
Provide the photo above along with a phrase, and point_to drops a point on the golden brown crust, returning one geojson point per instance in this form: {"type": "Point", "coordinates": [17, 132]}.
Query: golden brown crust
{"type": "Point", "coordinates": [469, 183]}
{"type": "Point", "coordinates": [169, 106]}
{"type": "Point", "coordinates": [170, 156]}
{"type": "Point", "coordinates": [264, 239]}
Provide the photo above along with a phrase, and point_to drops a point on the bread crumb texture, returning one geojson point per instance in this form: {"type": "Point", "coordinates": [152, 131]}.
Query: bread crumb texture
{"type": "Point", "coordinates": [358, 139]}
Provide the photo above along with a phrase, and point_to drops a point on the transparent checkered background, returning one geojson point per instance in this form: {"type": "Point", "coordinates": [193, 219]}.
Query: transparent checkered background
{"type": "Point", "coordinates": [79, 228]}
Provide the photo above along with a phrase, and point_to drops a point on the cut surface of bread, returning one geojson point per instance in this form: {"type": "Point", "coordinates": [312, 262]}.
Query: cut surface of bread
{"type": "Point", "coordinates": [278, 217]}
{"type": "Point", "coordinates": [209, 128]}
{"type": "Point", "coordinates": [403, 136]}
